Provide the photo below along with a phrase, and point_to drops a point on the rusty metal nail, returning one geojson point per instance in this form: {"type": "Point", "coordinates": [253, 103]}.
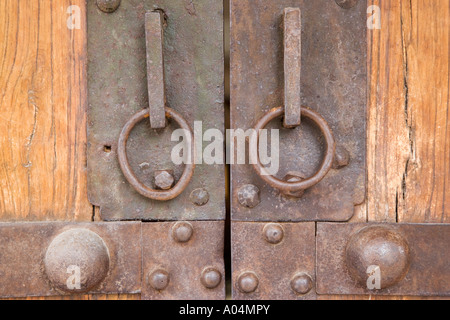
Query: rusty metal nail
{"type": "Point", "coordinates": [108, 6]}
{"type": "Point", "coordinates": [378, 247]}
{"type": "Point", "coordinates": [159, 279]}
{"type": "Point", "coordinates": [273, 233]}
{"type": "Point", "coordinates": [76, 261]}
{"type": "Point", "coordinates": [301, 283]}
{"type": "Point", "coordinates": [182, 232]}
{"type": "Point", "coordinates": [199, 197]}
{"type": "Point", "coordinates": [341, 158]}
{"type": "Point", "coordinates": [164, 179]}
{"type": "Point", "coordinates": [248, 196]}
{"type": "Point", "coordinates": [211, 278]}
{"type": "Point", "coordinates": [248, 282]}
{"type": "Point", "coordinates": [294, 176]}
{"type": "Point", "coordinates": [346, 4]}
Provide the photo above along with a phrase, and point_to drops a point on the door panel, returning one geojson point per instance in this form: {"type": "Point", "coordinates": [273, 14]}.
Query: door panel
{"type": "Point", "coordinates": [43, 111]}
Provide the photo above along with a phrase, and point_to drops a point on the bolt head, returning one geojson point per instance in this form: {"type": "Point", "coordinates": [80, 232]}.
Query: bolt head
{"type": "Point", "coordinates": [182, 232]}
{"type": "Point", "coordinates": [249, 196]}
{"type": "Point", "coordinates": [273, 233]}
{"type": "Point", "coordinates": [248, 282]}
{"type": "Point", "coordinates": [294, 177]}
{"type": "Point", "coordinates": [347, 4]}
{"type": "Point", "coordinates": [199, 197]}
{"type": "Point", "coordinates": [379, 246]}
{"type": "Point", "coordinates": [164, 179]}
{"type": "Point", "coordinates": [159, 279]}
{"type": "Point", "coordinates": [108, 6]}
{"type": "Point", "coordinates": [80, 253]}
{"type": "Point", "coordinates": [211, 278]}
{"type": "Point", "coordinates": [301, 283]}
{"type": "Point", "coordinates": [341, 158]}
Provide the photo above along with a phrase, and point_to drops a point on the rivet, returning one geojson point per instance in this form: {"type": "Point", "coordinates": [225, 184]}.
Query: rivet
{"type": "Point", "coordinates": [199, 197]}
{"type": "Point", "coordinates": [159, 279]}
{"type": "Point", "coordinates": [76, 261]}
{"type": "Point", "coordinates": [273, 233]}
{"type": "Point", "coordinates": [182, 232]}
{"type": "Point", "coordinates": [346, 4]}
{"type": "Point", "coordinates": [248, 282]}
{"type": "Point", "coordinates": [378, 247]}
{"type": "Point", "coordinates": [301, 283]}
{"type": "Point", "coordinates": [108, 6]}
{"type": "Point", "coordinates": [211, 278]}
{"type": "Point", "coordinates": [164, 179]}
{"type": "Point", "coordinates": [248, 196]}
{"type": "Point", "coordinates": [341, 158]}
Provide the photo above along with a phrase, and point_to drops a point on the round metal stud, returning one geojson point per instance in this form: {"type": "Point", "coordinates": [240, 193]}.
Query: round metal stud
{"type": "Point", "coordinates": [301, 283]}
{"type": "Point", "coordinates": [199, 197]}
{"type": "Point", "coordinates": [182, 232]}
{"type": "Point", "coordinates": [248, 282]}
{"type": "Point", "coordinates": [77, 261]}
{"type": "Point", "coordinates": [381, 247]}
{"type": "Point", "coordinates": [159, 279]}
{"type": "Point", "coordinates": [248, 196]}
{"type": "Point", "coordinates": [108, 6]}
{"type": "Point", "coordinates": [211, 278]}
{"type": "Point", "coordinates": [273, 233]}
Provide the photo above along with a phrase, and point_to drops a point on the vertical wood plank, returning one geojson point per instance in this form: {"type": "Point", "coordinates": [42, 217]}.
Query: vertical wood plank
{"type": "Point", "coordinates": [409, 129]}
{"type": "Point", "coordinates": [426, 45]}
{"type": "Point", "coordinates": [42, 112]}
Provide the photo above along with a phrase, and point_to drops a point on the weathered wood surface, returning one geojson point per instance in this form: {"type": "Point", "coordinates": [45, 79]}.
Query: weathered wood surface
{"type": "Point", "coordinates": [409, 128]}
{"type": "Point", "coordinates": [42, 112]}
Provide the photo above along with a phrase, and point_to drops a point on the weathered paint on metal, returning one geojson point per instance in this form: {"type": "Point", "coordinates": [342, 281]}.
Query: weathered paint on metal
{"type": "Point", "coordinates": [333, 83]}
{"type": "Point", "coordinates": [117, 83]}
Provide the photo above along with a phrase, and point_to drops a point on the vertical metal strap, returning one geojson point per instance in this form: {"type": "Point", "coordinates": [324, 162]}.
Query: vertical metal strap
{"type": "Point", "coordinates": [155, 69]}
{"type": "Point", "coordinates": [292, 66]}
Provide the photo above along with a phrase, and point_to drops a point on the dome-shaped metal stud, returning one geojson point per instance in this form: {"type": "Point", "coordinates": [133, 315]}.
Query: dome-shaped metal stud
{"type": "Point", "coordinates": [378, 257]}
{"type": "Point", "coordinates": [77, 261]}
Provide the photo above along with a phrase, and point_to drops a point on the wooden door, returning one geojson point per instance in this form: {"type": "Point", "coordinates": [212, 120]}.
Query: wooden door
{"type": "Point", "coordinates": [43, 103]}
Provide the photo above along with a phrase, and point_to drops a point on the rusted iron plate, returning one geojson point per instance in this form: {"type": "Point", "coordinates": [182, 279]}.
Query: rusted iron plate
{"type": "Point", "coordinates": [23, 250]}
{"type": "Point", "coordinates": [117, 83]}
{"type": "Point", "coordinates": [178, 258]}
{"type": "Point", "coordinates": [333, 83]}
{"type": "Point", "coordinates": [279, 258]}
{"type": "Point", "coordinates": [412, 259]}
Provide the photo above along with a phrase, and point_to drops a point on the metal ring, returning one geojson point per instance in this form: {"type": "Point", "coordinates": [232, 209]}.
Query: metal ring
{"type": "Point", "coordinates": [160, 195]}
{"type": "Point", "coordinates": [292, 187]}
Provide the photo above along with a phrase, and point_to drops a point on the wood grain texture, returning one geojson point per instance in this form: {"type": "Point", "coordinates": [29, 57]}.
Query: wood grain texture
{"type": "Point", "coordinates": [409, 129]}
{"type": "Point", "coordinates": [42, 112]}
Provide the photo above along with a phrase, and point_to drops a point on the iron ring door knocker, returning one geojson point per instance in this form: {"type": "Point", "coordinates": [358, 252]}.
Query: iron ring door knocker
{"type": "Point", "coordinates": [158, 113]}
{"type": "Point", "coordinates": [293, 111]}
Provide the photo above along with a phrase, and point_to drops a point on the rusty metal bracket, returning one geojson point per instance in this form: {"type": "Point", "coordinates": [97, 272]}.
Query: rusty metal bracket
{"type": "Point", "coordinates": [183, 260]}
{"type": "Point", "coordinates": [274, 261]}
{"type": "Point", "coordinates": [168, 260]}
{"type": "Point", "coordinates": [154, 38]}
{"type": "Point", "coordinates": [292, 67]}
{"type": "Point", "coordinates": [333, 83]}
{"type": "Point", "coordinates": [53, 259]}
{"type": "Point", "coordinates": [118, 90]}
{"type": "Point", "coordinates": [383, 259]}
